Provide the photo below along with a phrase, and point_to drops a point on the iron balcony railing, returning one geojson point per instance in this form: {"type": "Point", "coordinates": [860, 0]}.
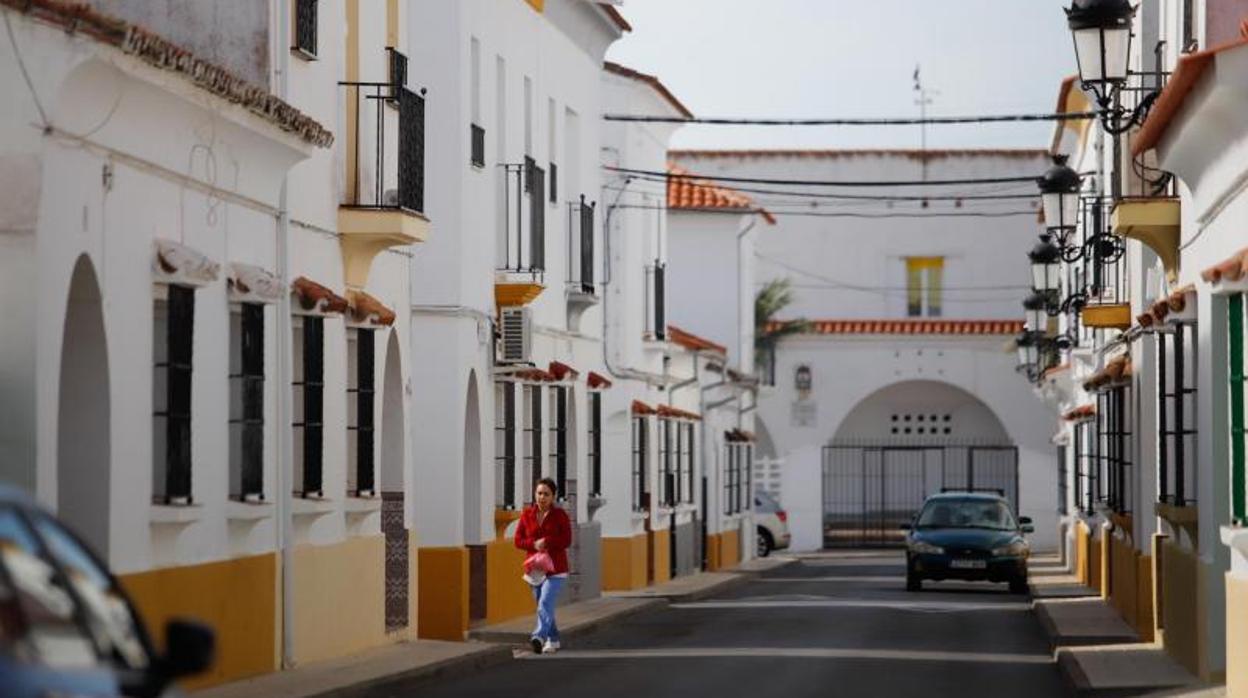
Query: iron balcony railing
{"type": "Point", "coordinates": [656, 300]}
{"type": "Point", "coordinates": [523, 248]}
{"type": "Point", "coordinates": [1096, 272]}
{"type": "Point", "coordinates": [387, 167]}
{"type": "Point", "coordinates": [581, 246]}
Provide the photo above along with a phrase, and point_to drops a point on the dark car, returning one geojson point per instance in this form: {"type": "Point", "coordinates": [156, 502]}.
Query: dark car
{"type": "Point", "coordinates": [970, 536]}
{"type": "Point", "coordinates": [66, 626]}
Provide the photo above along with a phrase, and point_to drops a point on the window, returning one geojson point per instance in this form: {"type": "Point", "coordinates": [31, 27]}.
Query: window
{"type": "Point", "coordinates": [1063, 483]}
{"type": "Point", "coordinates": [532, 436]}
{"type": "Point", "coordinates": [559, 439]}
{"type": "Point", "coordinates": [398, 71]}
{"type": "Point", "coordinates": [667, 478]}
{"type": "Point", "coordinates": [476, 132]}
{"type": "Point", "coordinates": [505, 444]}
{"type": "Point", "coordinates": [1176, 416]}
{"type": "Point", "coordinates": [247, 402]}
{"type": "Point", "coordinates": [1085, 465]}
{"type": "Point", "coordinates": [361, 406]}
{"type": "Point", "coordinates": [685, 449]}
{"type": "Point", "coordinates": [550, 150]}
{"type": "Point", "coordinates": [1114, 473]}
{"type": "Point", "coordinates": [305, 28]}
{"type": "Point", "coordinates": [657, 304]}
{"type": "Point", "coordinates": [640, 465]}
{"type": "Point", "coordinates": [528, 116]}
{"type": "Point", "coordinates": [923, 286]}
{"type": "Point", "coordinates": [1190, 40]}
{"type": "Point", "coordinates": [308, 400]}
{"type": "Point", "coordinates": [1236, 385]}
{"type": "Point", "coordinates": [172, 342]}
{"type": "Point", "coordinates": [730, 480]}
{"type": "Point", "coordinates": [595, 444]}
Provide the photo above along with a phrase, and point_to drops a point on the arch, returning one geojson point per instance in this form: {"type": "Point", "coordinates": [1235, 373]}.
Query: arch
{"type": "Point", "coordinates": [921, 411]}
{"type": "Point", "coordinates": [393, 449]}
{"type": "Point", "coordinates": [472, 463]}
{"type": "Point", "coordinates": [83, 467]}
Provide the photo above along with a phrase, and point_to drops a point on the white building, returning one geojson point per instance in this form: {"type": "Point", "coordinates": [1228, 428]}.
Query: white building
{"type": "Point", "coordinates": [506, 309]}
{"type": "Point", "coordinates": [196, 318]}
{"type": "Point", "coordinates": [903, 378]}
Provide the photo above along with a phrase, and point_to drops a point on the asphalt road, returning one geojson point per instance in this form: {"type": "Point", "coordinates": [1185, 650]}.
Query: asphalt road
{"type": "Point", "coordinates": [832, 625]}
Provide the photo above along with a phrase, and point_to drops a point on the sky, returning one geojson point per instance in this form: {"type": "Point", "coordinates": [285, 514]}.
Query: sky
{"type": "Point", "coordinates": [852, 58]}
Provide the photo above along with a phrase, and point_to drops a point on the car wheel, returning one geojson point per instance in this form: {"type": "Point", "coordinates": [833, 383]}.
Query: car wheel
{"type": "Point", "coordinates": [1018, 585]}
{"type": "Point", "coordinates": [913, 581]}
{"type": "Point", "coordinates": [765, 544]}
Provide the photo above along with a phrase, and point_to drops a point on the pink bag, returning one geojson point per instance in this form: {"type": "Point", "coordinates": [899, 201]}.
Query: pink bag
{"type": "Point", "coordinates": [536, 567]}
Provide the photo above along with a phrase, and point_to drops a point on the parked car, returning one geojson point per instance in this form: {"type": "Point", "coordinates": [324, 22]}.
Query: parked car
{"type": "Point", "coordinates": [772, 522]}
{"type": "Point", "coordinates": [66, 626]}
{"type": "Point", "coordinates": [967, 535]}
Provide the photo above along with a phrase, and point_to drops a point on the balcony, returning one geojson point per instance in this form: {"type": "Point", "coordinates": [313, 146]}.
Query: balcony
{"type": "Point", "coordinates": [385, 194]}
{"type": "Point", "coordinates": [520, 272]}
{"type": "Point", "coordinates": [1098, 272]}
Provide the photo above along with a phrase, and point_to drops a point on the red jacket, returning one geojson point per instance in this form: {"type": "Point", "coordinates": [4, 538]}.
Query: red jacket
{"type": "Point", "coordinates": [556, 529]}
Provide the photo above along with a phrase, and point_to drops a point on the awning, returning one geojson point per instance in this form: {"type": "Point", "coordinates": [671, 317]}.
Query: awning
{"type": "Point", "coordinates": [251, 284]}
{"type": "Point", "coordinates": [175, 263]}
{"type": "Point", "coordinates": [561, 371]}
{"type": "Point", "coordinates": [367, 310]}
{"type": "Point", "coordinates": [315, 299]}
{"type": "Point", "coordinates": [669, 412]}
{"type": "Point", "coordinates": [596, 381]}
{"type": "Point", "coordinates": [641, 409]}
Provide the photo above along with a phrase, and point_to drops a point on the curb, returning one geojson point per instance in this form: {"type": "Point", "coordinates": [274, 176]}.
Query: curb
{"type": "Point", "coordinates": [511, 639]}
{"type": "Point", "coordinates": [449, 668]}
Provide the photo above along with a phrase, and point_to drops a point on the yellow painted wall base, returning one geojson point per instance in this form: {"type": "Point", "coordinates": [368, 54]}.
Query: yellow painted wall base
{"type": "Point", "coordinates": [624, 563]}
{"type": "Point", "coordinates": [443, 593]}
{"type": "Point", "coordinates": [730, 549]}
{"type": "Point", "coordinates": [1145, 623]}
{"type": "Point", "coordinates": [1236, 636]}
{"type": "Point", "coordinates": [661, 547]}
{"type": "Point", "coordinates": [1182, 605]}
{"type": "Point", "coordinates": [1123, 583]}
{"type": "Point", "coordinates": [506, 594]}
{"type": "Point", "coordinates": [238, 598]}
{"type": "Point", "coordinates": [1095, 568]}
{"type": "Point", "coordinates": [339, 605]}
{"type": "Point", "coordinates": [713, 562]}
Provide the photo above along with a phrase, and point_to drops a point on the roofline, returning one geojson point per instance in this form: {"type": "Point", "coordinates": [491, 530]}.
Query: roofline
{"type": "Point", "coordinates": [616, 17]}
{"type": "Point", "coordinates": [1183, 80]}
{"type": "Point", "coordinates": [652, 81]}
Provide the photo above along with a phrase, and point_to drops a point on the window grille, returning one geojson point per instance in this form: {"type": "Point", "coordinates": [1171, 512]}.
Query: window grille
{"type": "Point", "coordinates": [173, 340]}
{"type": "Point", "coordinates": [533, 437]}
{"type": "Point", "coordinates": [559, 438]}
{"type": "Point", "coordinates": [246, 420]}
{"type": "Point", "coordinates": [686, 462]}
{"type": "Point", "coordinates": [1114, 473]}
{"type": "Point", "coordinates": [595, 444]}
{"type": "Point", "coordinates": [1236, 385]}
{"type": "Point", "coordinates": [1085, 465]}
{"type": "Point", "coordinates": [309, 401]}
{"type": "Point", "coordinates": [411, 150]}
{"type": "Point", "coordinates": [640, 445]}
{"type": "Point", "coordinates": [505, 444]}
{"type": "Point", "coordinates": [305, 26]}
{"type": "Point", "coordinates": [1063, 482]}
{"type": "Point", "coordinates": [1176, 416]}
{"type": "Point", "coordinates": [361, 400]}
{"type": "Point", "coordinates": [666, 478]}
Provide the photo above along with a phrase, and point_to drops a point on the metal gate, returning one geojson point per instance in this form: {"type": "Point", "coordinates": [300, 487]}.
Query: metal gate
{"type": "Point", "coordinates": [869, 491]}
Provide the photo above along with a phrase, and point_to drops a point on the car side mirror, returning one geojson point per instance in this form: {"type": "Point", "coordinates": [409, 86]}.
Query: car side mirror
{"type": "Point", "coordinates": [190, 648]}
{"type": "Point", "coordinates": [1028, 528]}
{"type": "Point", "coordinates": [1024, 520]}
{"type": "Point", "coordinates": [905, 527]}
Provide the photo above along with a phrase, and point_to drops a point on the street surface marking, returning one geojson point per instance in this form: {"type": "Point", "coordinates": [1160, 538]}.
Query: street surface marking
{"type": "Point", "coordinates": [799, 653]}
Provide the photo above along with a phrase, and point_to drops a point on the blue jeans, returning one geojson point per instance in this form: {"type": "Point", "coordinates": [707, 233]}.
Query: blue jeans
{"type": "Point", "coordinates": [545, 595]}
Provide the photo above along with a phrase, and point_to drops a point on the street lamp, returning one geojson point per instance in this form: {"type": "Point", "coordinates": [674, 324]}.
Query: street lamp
{"type": "Point", "coordinates": [1059, 195]}
{"type": "Point", "coordinates": [1102, 34]}
{"type": "Point", "coordinates": [1037, 307]}
{"type": "Point", "coordinates": [1046, 268]}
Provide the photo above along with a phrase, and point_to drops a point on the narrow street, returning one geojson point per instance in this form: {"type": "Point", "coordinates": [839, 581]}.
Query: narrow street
{"type": "Point", "coordinates": [833, 624]}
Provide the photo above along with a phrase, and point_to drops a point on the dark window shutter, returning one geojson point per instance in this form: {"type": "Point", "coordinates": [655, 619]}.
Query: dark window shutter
{"type": "Point", "coordinates": [253, 399]}
{"type": "Point", "coordinates": [411, 150]}
{"type": "Point", "coordinates": [366, 396]}
{"type": "Point", "coordinates": [178, 436]}
{"type": "Point", "coordinates": [313, 403]}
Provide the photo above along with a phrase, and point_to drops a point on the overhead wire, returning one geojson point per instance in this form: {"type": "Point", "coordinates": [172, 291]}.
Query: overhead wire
{"type": "Point", "coordinates": [697, 178]}
{"type": "Point", "coordinates": [841, 214]}
{"type": "Point", "coordinates": [930, 120]}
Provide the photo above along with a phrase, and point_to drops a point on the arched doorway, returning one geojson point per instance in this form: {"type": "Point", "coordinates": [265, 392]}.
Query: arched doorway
{"type": "Point", "coordinates": [393, 455]}
{"type": "Point", "coordinates": [902, 443]}
{"type": "Point", "coordinates": [83, 423]}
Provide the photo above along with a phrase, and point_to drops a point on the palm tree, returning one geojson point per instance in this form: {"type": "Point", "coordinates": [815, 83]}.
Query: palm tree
{"type": "Point", "coordinates": [773, 297]}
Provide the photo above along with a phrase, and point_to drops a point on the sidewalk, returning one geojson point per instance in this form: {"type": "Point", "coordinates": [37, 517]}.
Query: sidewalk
{"type": "Point", "coordinates": [1097, 652]}
{"type": "Point", "coordinates": [486, 647]}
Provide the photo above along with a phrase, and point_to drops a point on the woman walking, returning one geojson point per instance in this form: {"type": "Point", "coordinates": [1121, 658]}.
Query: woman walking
{"type": "Point", "coordinates": [545, 527]}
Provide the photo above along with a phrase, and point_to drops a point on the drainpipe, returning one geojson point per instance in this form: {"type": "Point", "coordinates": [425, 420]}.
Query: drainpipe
{"type": "Point", "coordinates": [285, 468]}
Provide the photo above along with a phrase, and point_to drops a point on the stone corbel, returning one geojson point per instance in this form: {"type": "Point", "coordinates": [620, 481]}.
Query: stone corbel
{"type": "Point", "coordinates": [1154, 222]}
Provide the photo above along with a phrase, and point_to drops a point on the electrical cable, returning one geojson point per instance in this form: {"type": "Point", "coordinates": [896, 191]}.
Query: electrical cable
{"type": "Point", "coordinates": [931, 120]}
{"type": "Point", "coordinates": [871, 197]}
{"type": "Point", "coordinates": [837, 214]}
{"type": "Point", "coordinates": [697, 178]}
{"type": "Point", "coordinates": [21, 65]}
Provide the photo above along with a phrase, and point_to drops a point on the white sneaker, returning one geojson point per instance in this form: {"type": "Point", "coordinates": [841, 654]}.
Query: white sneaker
{"type": "Point", "coordinates": [550, 647]}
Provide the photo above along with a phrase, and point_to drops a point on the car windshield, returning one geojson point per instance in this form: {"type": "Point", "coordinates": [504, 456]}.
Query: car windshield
{"type": "Point", "coordinates": [765, 503]}
{"type": "Point", "coordinates": [967, 513]}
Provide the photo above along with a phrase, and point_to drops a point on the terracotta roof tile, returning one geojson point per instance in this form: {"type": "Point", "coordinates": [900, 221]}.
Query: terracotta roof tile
{"type": "Point", "coordinates": [155, 50]}
{"type": "Point", "coordinates": [1232, 268]}
{"type": "Point", "coordinates": [561, 371]}
{"type": "Point", "coordinates": [314, 297]}
{"type": "Point", "coordinates": [530, 375]}
{"type": "Point", "coordinates": [1176, 302]}
{"type": "Point", "coordinates": [1190, 70]}
{"type": "Point", "coordinates": [677, 413]}
{"type": "Point", "coordinates": [1080, 413]}
{"type": "Point", "coordinates": [1115, 371]}
{"type": "Point", "coordinates": [616, 17]}
{"type": "Point", "coordinates": [650, 80]}
{"type": "Point", "coordinates": [641, 409]}
{"type": "Point", "coordinates": [738, 436]}
{"type": "Point", "coordinates": [913, 327]}
{"type": "Point", "coordinates": [686, 192]}
{"type": "Point", "coordinates": [366, 309]}
{"type": "Point", "coordinates": [693, 342]}
{"type": "Point", "coordinates": [597, 381]}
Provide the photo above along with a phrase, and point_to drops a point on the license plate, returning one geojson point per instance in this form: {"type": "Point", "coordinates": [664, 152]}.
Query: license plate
{"type": "Point", "coordinates": [968, 564]}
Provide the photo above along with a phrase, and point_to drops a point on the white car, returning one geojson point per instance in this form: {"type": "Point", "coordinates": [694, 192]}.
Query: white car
{"type": "Point", "coordinates": [772, 522]}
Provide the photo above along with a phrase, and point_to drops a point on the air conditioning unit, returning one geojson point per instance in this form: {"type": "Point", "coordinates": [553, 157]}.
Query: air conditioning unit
{"type": "Point", "coordinates": [517, 336]}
